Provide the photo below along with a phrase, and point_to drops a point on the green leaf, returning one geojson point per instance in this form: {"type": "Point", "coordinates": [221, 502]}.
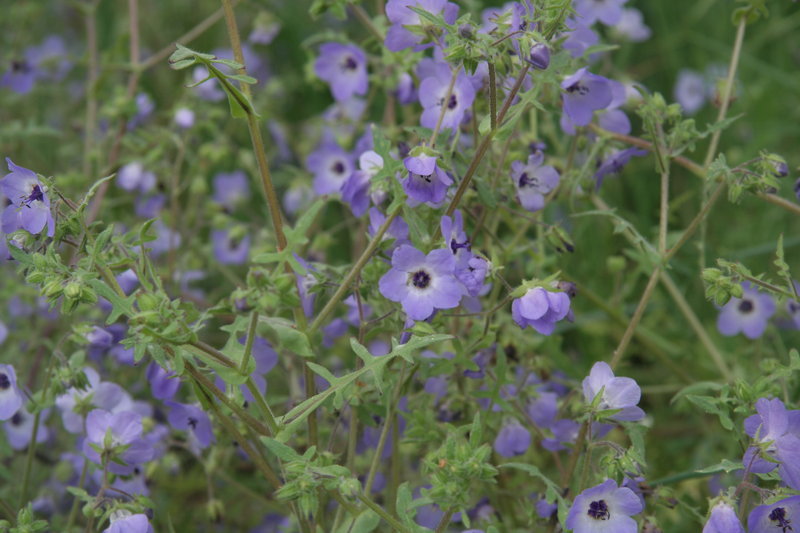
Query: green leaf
{"type": "Point", "coordinates": [288, 336]}
{"type": "Point", "coordinates": [119, 305]}
{"type": "Point", "coordinates": [280, 450]}
{"type": "Point", "coordinates": [366, 522]}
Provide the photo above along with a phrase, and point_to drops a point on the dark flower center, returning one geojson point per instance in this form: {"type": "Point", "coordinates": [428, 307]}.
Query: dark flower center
{"type": "Point", "coordinates": [793, 307]}
{"type": "Point", "coordinates": [453, 102]}
{"type": "Point", "coordinates": [745, 306]}
{"type": "Point", "coordinates": [421, 279]}
{"type": "Point", "coordinates": [338, 167]}
{"type": "Point", "coordinates": [36, 194]}
{"type": "Point", "coordinates": [455, 246]}
{"type": "Point", "coordinates": [349, 63]}
{"type": "Point", "coordinates": [578, 88]}
{"type": "Point", "coordinates": [426, 177]}
{"type": "Point", "coordinates": [778, 515]}
{"type": "Point", "coordinates": [528, 181]}
{"type": "Point", "coordinates": [4, 382]}
{"type": "Point", "coordinates": [192, 422]}
{"type": "Point", "coordinates": [16, 420]}
{"type": "Point", "coordinates": [20, 66]}
{"type": "Point", "coordinates": [599, 510]}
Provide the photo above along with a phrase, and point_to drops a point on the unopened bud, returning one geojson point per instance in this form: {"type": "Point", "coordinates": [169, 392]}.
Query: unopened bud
{"type": "Point", "coordinates": [539, 57]}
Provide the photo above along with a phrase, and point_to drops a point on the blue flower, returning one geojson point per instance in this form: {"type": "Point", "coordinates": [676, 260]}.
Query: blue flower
{"type": "Point", "coordinates": [778, 517]}
{"type": "Point", "coordinates": [723, 519]}
{"type": "Point", "coordinates": [776, 431]}
{"type": "Point", "coordinates": [604, 508]}
{"type": "Point", "coordinates": [618, 393]}
{"type": "Point", "coordinates": [10, 397]}
{"type": "Point", "coordinates": [30, 206]}
{"type": "Point", "coordinates": [540, 309]}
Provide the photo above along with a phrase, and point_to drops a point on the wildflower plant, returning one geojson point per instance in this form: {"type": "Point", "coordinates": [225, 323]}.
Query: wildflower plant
{"type": "Point", "coordinates": [392, 285]}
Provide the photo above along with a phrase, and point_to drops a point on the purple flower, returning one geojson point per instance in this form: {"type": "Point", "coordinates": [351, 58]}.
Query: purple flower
{"type": "Point", "coordinates": [398, 229]}
{"type": "Point", "coordinates": [30, 206]}
{"type": "Point", "coordinates": [10, 397]}
{"type": "Point", "coordinates": [612, 118]}
{"type": "Point", "coordinates": [691, 91]}
{"type": "Point", "coordinates": [230, 247]}
{"type": "Point", "coordinates": [433, 97]}
{"type": "Point", "coordinates": [614, 163]}
{"type": "Point", "coordinates": [19, 428]}
{"type": "Point", "coordinates": [631, 26]}
{"type": "Point", "coordinates": [98, 394]}
{"type": "Point", "coordinates": [207, 90]}
{"type": "Point", "coordinates": [543, 410]}
{"type": "Point", "coordinates": [617, 393]}
{"type": "Point", "coordinates": [723, 519]}
{"type": "Point", "coordinates": [124, 522]}
{"type": "Point", "coordinates": [604, 508]}
{"type": "Point", "coordinates": [539, 58]}
{"type": "Point", "coordinates": [355, 191]}
{"type": "Point", "coordinates": [585, 93]}
{"type": "Point", "coordinates": [191, 418]}
{"type": "Point", "coordinates": [231, 188]}
{"type": "Point", "coordinates": [163, 383]}
{"type": "Point", "coordinates": [422, 283]}
{"type": "Point", "coordinates": [565, 431]}
{"type": "Point", "coordinates": [426, 182]}
{"type": "Point", "coordinates": [344, 67]}
{"type": "Point", "coordinates": [609, 12]}
{"type": "Point", "coordinates": [184, 118]}
{"type": "Point", "coordinates": [775, 518]}
{"type": "Point", "coordinates": [533, 181]}
{"type": "Point", "coordinates": [47, 61]}
{"type": "Point", "coordinates": [777, 431]}
{"type": "Point", "coordinates": [119, 435]}
{"type": "Point", "coordinates": [512, 440]}
{"type": "Point", "coordinates": [406, 92]}
{"type": "Point", "coordinates": [580, 38]}
{"type": "Point", "coordinates": [399, 37]}
{"type": "Point", "coordinates": [540, 309]}
{"type": "Point", "coordinates": [331, 166]}
{"type": "Point", "coordinates": [748, 314]}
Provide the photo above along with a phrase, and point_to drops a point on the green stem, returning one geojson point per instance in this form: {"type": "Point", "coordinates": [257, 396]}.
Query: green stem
{"type": "Point", "coordinates": [73, 512]}
{"type": "Point", "coordinates": [387, 425]}
{"type": "Point", "coordinates": [354, 272]}
{"type": "Point", "coordinates": [26, 475]}
{"type": "Point", "coordinates": [255, 131]}
{"type": "Point", "coordinates": [230, 426]}
{"type": "Point", "coordinates": [443, 523]}
{"type": "Point", "coordinates": [8, 511]}
{"type": "Point", "coordinates": [380, 511]}
{"type": "Point", "coordinates": [248, 346]}
{"type": "Point", "coordinates": [492, 96]}
{"type": "Point", "coordinates": [637, 316]}
{"type": "Point", "coordinates": [573, 458]}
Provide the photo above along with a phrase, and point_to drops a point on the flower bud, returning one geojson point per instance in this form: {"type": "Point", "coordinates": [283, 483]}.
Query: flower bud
{"type": "Point", "coordinates": [539, 57]}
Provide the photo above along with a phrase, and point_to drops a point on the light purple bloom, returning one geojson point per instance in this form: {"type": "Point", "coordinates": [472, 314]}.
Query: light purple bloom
{"type": "Point", "coordinates": [533, 181]}
{"type": "Point", "coordinates": [128, 523]}
{"type": "Point", "coordinates": [10, 397]}
{"type": "Point", "coordinates": [565, 431]}
{"type": "Point", "coordinates": [512, 440]}
{"type": "Point", "coordinates": [604, 508]}
{"type": "Point", "coordinates": [184, 118]}
{"type": "Point", "coordinates": [433, 93]}
{"type": "Point", "coordinates": [133, 177]}
{"type": "Point", "coordinates": [777, 430]}
{"type": "Point", "coordinates": [614, 163]}
{"type": "Point", "coordinates": [723, 519]}
{"type": "Point", "coordinates": [231, 188]}
{"type": "Point", "coordinates": [775, 518]}
{"type": "Point", "coordinates": [612, 118]}
{"type": "Point", "coordinates": [355, 190]}
{"type": "Point", "coordinates": [398, 37]}
{"type": "Point", "coordinates": [539, 58]}
{"type": "Point", "coordinates": [46, 61]}
{"type": "Point", "coordinates": [618, 392]}
{"type": "Point", "coordinates": [426, 182]}
{"type": "Point", "coordinates": [344, 67]}
{"type": "Point", "coordinates": [230, 247]}
{"type": "Point", "coordinates": [540, 309]}
{"type": "Point", "coordinates": [191, 418]}
{"type": "Point", "coordinates": [543, 410]}
{"type": "Point", "coordinates": [331, 166]}
{"type": "Point", "coordinates": [609, 12]}
{"type": "Point", "coordinates": [163, 383]}
{"type": "Point", "coordinates": [98, 394]}
{"type": "Point", "coordinates": [691, 91]}
{"type": "Point", "coordinates": [406, 92]}
{"type": "Point", "coordinates": [398, 228]}
{"type": "Point", "coordinates": [585, 93]}
{"type": "Point", "coordinates": [422, 283]}
{"type": "Point", "coordinates": [30, 206]}
{"type": "Point", "coordinates": [631, 26]}
{"type": "Point", "coordinates": [19, 428]}
{"type": "Point", "coordinates": [748, 314]}
{"type": "Point", "coordinates": [580, 38]}
{"type": "Point", "coordinates": [121, 435]}
{"type": "Point", "coordinates": [208, 90]}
